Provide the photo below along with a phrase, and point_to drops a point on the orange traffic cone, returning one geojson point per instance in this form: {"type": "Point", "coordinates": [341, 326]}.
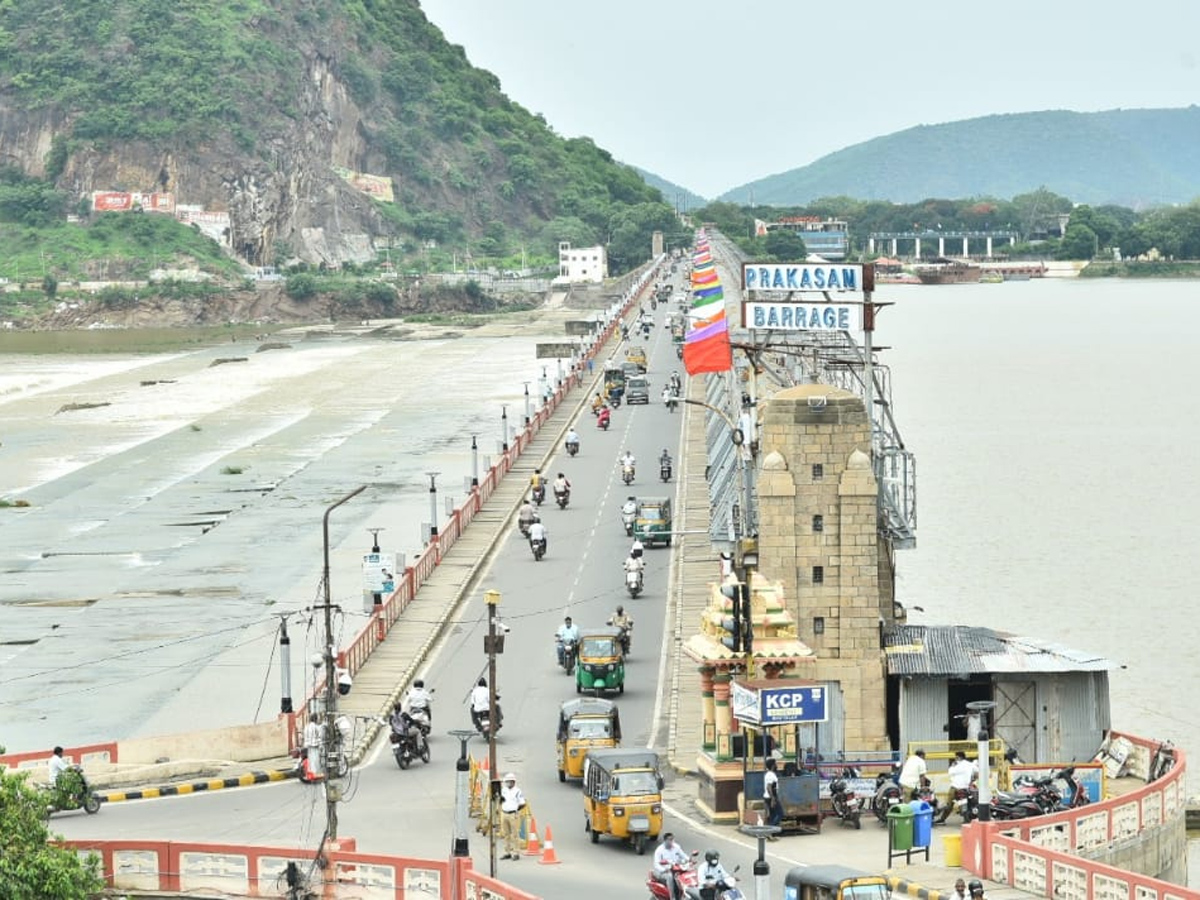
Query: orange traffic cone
{"type": "Point", "coordinates": [533, 847]}
{"type": "Point", "coordinates": [549, 857]}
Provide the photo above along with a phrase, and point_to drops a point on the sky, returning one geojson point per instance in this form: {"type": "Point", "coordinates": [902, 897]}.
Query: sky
{"type": "Point", "coordinates": [711, 95]}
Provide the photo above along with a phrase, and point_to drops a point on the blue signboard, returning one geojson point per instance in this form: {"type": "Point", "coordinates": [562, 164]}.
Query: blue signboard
{"type": "Point", "coordinates": [792, 705]}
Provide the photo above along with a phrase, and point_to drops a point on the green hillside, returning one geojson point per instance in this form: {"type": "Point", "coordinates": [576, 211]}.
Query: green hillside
{"type": "Point", "coordinates": [1134, 158]}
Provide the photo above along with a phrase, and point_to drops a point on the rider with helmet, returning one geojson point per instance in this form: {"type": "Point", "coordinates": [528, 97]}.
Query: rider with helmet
{"type": "Point", "coordinates": [975, 889]}
{"type": "Point", "coordinates": [713, 874]}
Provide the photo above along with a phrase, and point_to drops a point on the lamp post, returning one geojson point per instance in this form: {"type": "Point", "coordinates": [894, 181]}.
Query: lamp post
{"type": "Point", "coordinates": [474, 462]}
{"type": "Point", "coordinates": [333, 790]}
{"type": "Point", "coordinates": [285, 665]}
{"type": "Point", "coordinates": [504, 427]}
{"type": "Point", "coordinates": [433, 513]}
{"type": "Point", "coordinates": [983, 707]}
{"type": "Point", "coordinates": [526, 383]}
{"type": "Point", "coordinates": [462, 770]}
{"type": "Point", "coordinates": [377, 598]}
{"type": "Point", "coordinates": [762, 869]}
{"type": "Point", "coordinates": [494, 645]}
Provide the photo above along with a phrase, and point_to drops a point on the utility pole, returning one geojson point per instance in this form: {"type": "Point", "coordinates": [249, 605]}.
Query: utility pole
{"type": "Point", "coordinates": [333, 786]}
{"type": "Point", "coordinates": [493, 646]}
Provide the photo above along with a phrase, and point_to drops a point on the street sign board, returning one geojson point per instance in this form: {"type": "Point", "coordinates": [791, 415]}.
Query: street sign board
{"type": "Point", "coordinates": [379, 573]}
{"type": "Point", "coordinates": [785, 705]}
{"type": "Point", "coordinates": [785, 315]}
{"type": "Point", "coordinates": [799, 277]}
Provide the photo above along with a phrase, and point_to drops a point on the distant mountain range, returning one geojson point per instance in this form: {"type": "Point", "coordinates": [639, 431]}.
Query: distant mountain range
{"type": "Point", "coordinates": [1130, 157]}
{"type": "Point", "coordinates": [679, 197]}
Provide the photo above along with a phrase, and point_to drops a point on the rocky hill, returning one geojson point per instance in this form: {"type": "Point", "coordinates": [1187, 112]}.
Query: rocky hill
{"type": "Point", "coordinates": [317, 128]}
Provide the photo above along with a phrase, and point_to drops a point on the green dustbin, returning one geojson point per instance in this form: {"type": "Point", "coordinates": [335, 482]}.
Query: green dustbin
{"type": "Point", "coordinates": [900, 826]}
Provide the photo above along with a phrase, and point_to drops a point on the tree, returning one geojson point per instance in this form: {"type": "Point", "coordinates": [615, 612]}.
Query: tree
{"type": "Point", "coordinates": [301, 286]}
{"type": "Point", "coordinates": [31, 867]}
{"type": "Point", "coordinates": [1078, 243]}
{"type": "Point", "coordinates": [785, 246]}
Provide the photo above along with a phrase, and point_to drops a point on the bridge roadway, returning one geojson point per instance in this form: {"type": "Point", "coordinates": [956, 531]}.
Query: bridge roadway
{"type": "Point", "coordinates": [410, 812]}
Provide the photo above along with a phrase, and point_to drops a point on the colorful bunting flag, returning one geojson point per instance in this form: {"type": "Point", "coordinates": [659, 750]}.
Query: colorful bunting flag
{"type": "Point", "coordinates": [706, 345]}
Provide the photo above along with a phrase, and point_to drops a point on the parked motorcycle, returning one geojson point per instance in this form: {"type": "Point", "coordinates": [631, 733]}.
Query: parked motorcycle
{"type": "Point", "coordinates": [568, 651]}
{"type": "Point", "coordinates": [562, 498]}
{"type": "Point", "coordinates": [538, 547]}
{"type": "Point", "coordinates": [408, 741]}
{"type": "Point", "coordinates": [846, 805]}
{"type": "Point", "coordinates": [887, 795]}
{"type": "Point", "coordinates": [572, 448]}
{"type": "Point", "coordinates": [71, 791]}
{"type": "Point", "coordinates": [633, 582]}
{"type": "Point", "coordinates": [627, 474]}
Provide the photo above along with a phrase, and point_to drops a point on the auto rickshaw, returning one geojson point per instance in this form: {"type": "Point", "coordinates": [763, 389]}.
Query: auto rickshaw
{"type": "Point", "coordinates": [584, 725]}
{"type": "Point", "coordinates": [653, 523]}
{"type": "Point", "coordinates": [833, 882]}
{"type": "Point", "coordinates": [601, 665]}
{"type": "Point", "coordinates": [622, 796]}
{"type": "Point", "coordinates": [636, 355]}
{"type": "Point", "coordinates": [614, 383]}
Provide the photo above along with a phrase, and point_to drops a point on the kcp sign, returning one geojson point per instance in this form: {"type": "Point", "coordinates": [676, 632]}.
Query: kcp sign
{"type": "Point", "coordinates": [792, 705]}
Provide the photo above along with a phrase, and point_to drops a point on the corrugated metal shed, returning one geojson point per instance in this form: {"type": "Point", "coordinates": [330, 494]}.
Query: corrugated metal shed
{"type": "Point", "coordinates": [964, 650]}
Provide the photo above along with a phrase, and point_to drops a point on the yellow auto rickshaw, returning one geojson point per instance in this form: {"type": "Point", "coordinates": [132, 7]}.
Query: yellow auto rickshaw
{"type": "Point", "coordinates": [833, 882]}
{"type": "Point", "coordinates": [584, 725]}
{"type": "Point", "coordinates": [622, 796]}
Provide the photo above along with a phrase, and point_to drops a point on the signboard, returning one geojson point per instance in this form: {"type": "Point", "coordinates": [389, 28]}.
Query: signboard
{"type": "Point", "coordinates": [555, 351]}
{"type": "Point", "coordinates": [112, 201]}
{"type": "Point", "coordinates": [744, 703]}
{"type": "Point", "coordinates": [788, 316]}
{"type": "Point", "coordinates": [790, 277]}
{"type": "Point", "coordinates": [379, 573]}
{"type": "Point", "coordinates": [377, 186]}
{"type": "Point", "coordinates": [792, 705]}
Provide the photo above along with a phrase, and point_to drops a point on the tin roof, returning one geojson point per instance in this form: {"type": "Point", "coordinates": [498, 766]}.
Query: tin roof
{"type": "Point", "coordinates": [968, 650]}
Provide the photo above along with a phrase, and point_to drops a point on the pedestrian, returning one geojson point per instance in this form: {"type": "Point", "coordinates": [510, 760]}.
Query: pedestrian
{"type": "Point", "coordinates": [960, 891]}
{"type": "Point", "coordinates": [590, 365]}
{"type": "Point", "coordinates": [912, 773]}
{"type": "Point", "coordinates": [512, 803]}
{"type": "Point", "coordinates": [312, 767]}
{"type": "Point", "coordinates": [771, 796]}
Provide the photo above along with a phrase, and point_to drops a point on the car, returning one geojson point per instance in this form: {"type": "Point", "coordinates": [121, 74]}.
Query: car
{"type": "Point", "coordinates": [637, 390]}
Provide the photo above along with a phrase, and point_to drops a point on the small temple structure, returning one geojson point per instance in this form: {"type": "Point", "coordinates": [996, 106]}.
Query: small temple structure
{"type": "Point", "coordinates": [776, 654]}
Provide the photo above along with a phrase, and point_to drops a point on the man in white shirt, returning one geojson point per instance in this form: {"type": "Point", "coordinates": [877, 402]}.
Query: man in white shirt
{"type": "Point", "coordinates": [771, 796]}
{"type": "Point", "coordinates": [666, 856]}
{"type": "Point", "coordinates": [481, 701]}
{"type": "Point", "coordinates": [57, 765]}
{"type": "Point", "coordinates": [537, 532]}
{"type": "Point", "coordinates": [567, 631]}
{"type": "Point", "coordinates": [512, 801]}
{"type": "Point", "coordinates": [962, 771]}
{"type": "Point", "coordinates": [910, 776]}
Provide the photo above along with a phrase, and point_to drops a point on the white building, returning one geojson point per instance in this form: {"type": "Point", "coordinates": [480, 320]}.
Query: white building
{"type": "Point", "coordinates": [581, 264]}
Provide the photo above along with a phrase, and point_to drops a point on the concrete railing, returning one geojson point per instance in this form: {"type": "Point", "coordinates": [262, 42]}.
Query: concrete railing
{"type": "Point", "coordinates": [1048, 855]}
{"type": "Point", "coordinates": [244, 871]}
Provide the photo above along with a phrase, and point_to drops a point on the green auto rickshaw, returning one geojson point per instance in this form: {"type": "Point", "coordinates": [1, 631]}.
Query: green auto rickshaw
{"type": "Point", "coordinates": [653, 523]}
{"type": "Point", "coordinates": [601, 666]}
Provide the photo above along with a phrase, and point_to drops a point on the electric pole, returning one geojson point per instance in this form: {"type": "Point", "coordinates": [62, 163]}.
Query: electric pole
{"type": "Point", "coordinates": [493, 646]}
{"type": "Point", "coordinates": [333, 786]}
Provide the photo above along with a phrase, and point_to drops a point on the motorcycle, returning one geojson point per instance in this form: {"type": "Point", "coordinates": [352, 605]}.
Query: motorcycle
{"type": "Point", "coordinates": [71, 791]}
{"type": "Point", "coordinates": [615, 400]}
{"type": "Point", "coordinates": [664, 471]}
{"type": "Point", "coordinates": [686, 876]}
{"type": "Point", "coordinates": [627, 519]}
{"type": "Point", "coordinates": [539, 495]}
{"type": "Point", "coordinates": [408, 741]}
{"type": "Point", "coordinates": [725, 889]}
{"type": "Point", "coordinates": [887, 795]}
{"type": "Point", "coordinates": [625, 639]}
{"type": "Point", "coordinates": [483, 720]}
{"type": "Point", "coordinates": [633, 582]}
{"type": "Point", "coordinates": [846, 805]}
{"type": "Point", "coordinates": [603, 419]}
{"type": "Point", "coordinates": [523, 527]}
{"type": "Point", "coordinates": [671, 401]}
{"type": "Point", "coordinates": [572, 448]}
{"type": "Point", "coordinates": [627, 474]}
{"type": "Point", "coordinates": [926, 793]}
{"type": "Point", "coordinates": [562, 498]}
{"type": "Point", "coordinates": [567, 652]}
{"type": "Point", "coordinates": [679, 351]}
{"type": "Point", "coordinates": [1007, 806]}
{"type": "Point", "coordinates": [538, 547]}
{"type": "Point", "coordinates": [964, 801]}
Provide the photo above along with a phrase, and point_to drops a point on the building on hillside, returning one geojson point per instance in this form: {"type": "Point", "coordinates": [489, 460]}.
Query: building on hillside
{"type": "Point", "coordinates": [578, 265]}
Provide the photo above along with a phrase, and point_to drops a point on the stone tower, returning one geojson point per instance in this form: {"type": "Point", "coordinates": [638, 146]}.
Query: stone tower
{"type": "Point", "coordinates": [819, 535]}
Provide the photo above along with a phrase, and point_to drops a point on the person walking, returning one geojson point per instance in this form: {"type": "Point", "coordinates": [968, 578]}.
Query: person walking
{"type": "Point", "coordinates": [771, 797]}
{"type": "Point", "coordinates": [910, 776]}
{"type": "Point", "coordinates": [512, 803]}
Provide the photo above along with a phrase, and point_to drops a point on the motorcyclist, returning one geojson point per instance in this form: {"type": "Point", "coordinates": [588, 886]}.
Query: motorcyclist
{"type": "Point", "coordinates": [481, 702]}
{"type": "Point", "coordinates": [525, 516]}
{"type": "Point", "coordinates": [713, 874]}
{"type": "Point", "coordinates": [537, 532]}
{"type": "Point", "coordinates": [572, 438]}
{"type": "Point", "coordinates": [630, 507]}
{"type": "Point", "coordinates": [603, 416]}
{"type": "Point", "coordinates": [664, 460]}
{"type": "Point", "coordinates": [567, 631]}
{"type": "Point", "coordinates": [561, 485]}
{"type": "Point", "coordinates": [417, 699]}
{"type": "Point", "coordinates": [620, 619]}
{"type": "Point", "coordinates": [676, 383]}
{"type": "Point", "coordinates": [667, 855]}
{"type": "Point", "coordinates": [627, 460]}
{"type": "Point", "coordinates": [536, 479]}
{"type": "Point", "coordinates": [634, 563]}
{"type": "Point", "coordinates": [597, 403]}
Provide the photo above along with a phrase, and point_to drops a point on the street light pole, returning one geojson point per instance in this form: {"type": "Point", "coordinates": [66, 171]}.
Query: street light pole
{"type": "Point", "coordinates": [492, 599]}
{"type": "Point", "coordinates": [433, 513]}
{"type": "Point", "coordinates": [474, 462]}
{"type": "Point", "coordinates": [504, 427]}
{"type": "Point", "coordinates": [526, 383]}
{"type": "Point", "coordinates": [332, 786]}
{"type": "Point", "coordinates": [462, 775]}
{"type": "Point", "coordinates": [285, 664]}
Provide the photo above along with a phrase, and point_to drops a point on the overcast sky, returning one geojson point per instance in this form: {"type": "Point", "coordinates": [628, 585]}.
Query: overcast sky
{"type": "Point", "coordinates": [711, 95]}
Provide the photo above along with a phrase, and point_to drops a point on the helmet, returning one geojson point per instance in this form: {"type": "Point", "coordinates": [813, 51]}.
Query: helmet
{"type": "Point", "coordinates": [974, 886]}
{"type": "Point", "coordinates": [419, 683]}
{"type": "Point", "coordinates": [631, 497]}
{"type": "Point", "coordinates": [482, 682]}
{"type": "Point", "coordinates": [712, 857]}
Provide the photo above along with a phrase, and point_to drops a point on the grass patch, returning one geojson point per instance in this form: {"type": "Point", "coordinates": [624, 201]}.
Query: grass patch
{"type": "Point", "coordinates": [14, 504]}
